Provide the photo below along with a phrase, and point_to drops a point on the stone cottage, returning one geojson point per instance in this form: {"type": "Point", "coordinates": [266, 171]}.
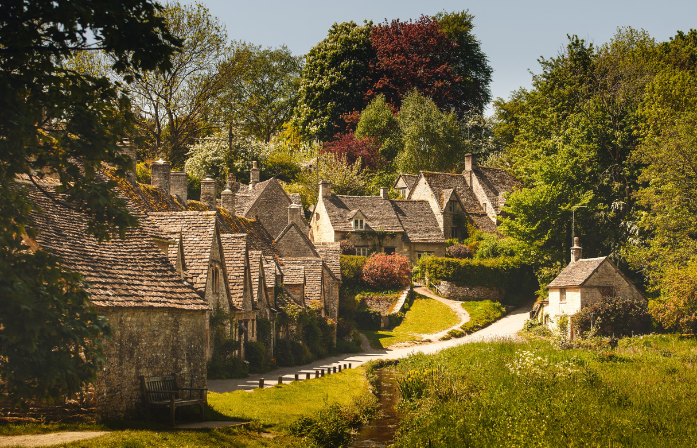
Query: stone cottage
{"type": "Point", "coordinates": [376, 223]}
{"type": "Point", "coordinates": [159, 320]}
{"type": "Point", "coordinates": [583, 282]}
{"type": "Point", "coordinates": [476, 195]}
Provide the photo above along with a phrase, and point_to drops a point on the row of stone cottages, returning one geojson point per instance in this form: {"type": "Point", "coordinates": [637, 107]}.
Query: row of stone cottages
{"type": "Point", "coordinates": [158, 286]}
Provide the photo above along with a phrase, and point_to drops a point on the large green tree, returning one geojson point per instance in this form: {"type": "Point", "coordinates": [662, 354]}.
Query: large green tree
{"type": "Point", "coordinates": [56, 121]}
{"type": "Point", "coordinates": [334, 80]}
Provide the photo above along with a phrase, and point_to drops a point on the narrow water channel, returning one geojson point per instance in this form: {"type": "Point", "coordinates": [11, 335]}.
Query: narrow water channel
{"type": "Point", "coordinates": [380, 432]}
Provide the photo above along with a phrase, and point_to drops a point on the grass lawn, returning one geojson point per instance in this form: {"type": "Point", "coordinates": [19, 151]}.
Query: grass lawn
{"type": "Point", "coordinates": [482, 313]}
{"type": "Point", "coordinates": [641, 394]}
{"type": "Point", "coordinates": [426, 316]}
{"type": "Point", "coordinates": [271, 411]}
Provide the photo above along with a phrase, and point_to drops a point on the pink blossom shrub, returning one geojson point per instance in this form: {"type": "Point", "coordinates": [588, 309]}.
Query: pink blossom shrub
{"type": "Point", "coordinates": [382, 271]}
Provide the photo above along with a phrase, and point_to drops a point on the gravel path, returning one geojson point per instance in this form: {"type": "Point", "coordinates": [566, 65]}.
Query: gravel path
{"type": "Point", "coordinates": [32, 440]}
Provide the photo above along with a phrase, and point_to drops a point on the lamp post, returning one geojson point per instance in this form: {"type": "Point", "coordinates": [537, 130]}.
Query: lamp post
{"type": "Point", "coordinates": [573, 221]}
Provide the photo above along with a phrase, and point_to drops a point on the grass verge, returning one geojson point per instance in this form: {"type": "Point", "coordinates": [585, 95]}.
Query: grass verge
{"type": "Point", "coordinates": [425, 316]}
{"type": "Point", "coordinates": [641, 394]}
{"type": "Point", "coordinates": [482, 313]}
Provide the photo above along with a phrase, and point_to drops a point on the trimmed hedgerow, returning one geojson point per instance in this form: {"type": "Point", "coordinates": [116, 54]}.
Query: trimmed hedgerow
{"type": "Point", "coordinates": [386, 271]}
{"type": "Point", "coordinates": [351, 268]}
{"type": "Point", "coordinates": [510, 273]}
{"type": "Point", "coordinates": [616, 316]}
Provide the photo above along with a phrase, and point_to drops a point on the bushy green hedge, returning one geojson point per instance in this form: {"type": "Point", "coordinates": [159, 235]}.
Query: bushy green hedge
{"type": "Point", "coordinates": [255, 354]}
{"type": "Point", "coordinates": [368, 319]}
{"type": "Point", "coordinates": [351, 268]}
{"type": "Point", "coordinates": [510, 273]}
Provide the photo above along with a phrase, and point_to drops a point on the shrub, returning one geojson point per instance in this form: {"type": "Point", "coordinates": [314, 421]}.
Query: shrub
{"type": "Point", "coordinates": [676, 310]}
{"type": "Point", "coordinates": [301, 354]}
{"type": "Point", "coordinates": [386, 271]}
{"type": "Point", "coordinates": [482, 313]}
{"type": "Point", "coordinates": [347, 247]}
{"type": "Point", "coordinates": [616, 316]}
{"type": "Point", "coordinates": [347, 145]}
{"type": "Point", "coordinates": [351, 268]}
{"type": "Point", "coordinates": [458, 251]}
{"type": "Point", "coordinates": [454, 333]}
{"type": "Point", "coordinates": [368, 320]}
{"type": "Point", "coordinates": [284, 354]}
{"type": "Point", "coordinates": [255, 355]}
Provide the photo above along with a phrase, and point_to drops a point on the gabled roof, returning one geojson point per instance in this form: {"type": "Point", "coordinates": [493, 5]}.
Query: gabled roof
{"type": "Point", "coordinates": [130, 272]}
{"type": "Point", "coordinates": [419, 222]}
{"type": "Point", "coordinates": [496, 180]}
{"type": "Point", "coordinates": [445, 181]}
{"type": "Point", "coordinates": [378, 212]}
{"type": "Point", "coordinates": [259, 238]}
{"type": "Point", "coordinates": [256, 270]}
{"type": "Point", "coordinates": [577, 273]}
{"type": "Point", "coordinates": [236, 267]}
{"type": "Point", "coordinates": [313, 277]}
{"type": "Point", "coordinates": [198, 230]}
{"type": "Point", "coordinates": [409, 180]}
{"type": "Point", "coordinates": [293, 229]}
{"type": "Point", "coordinates": [330, 252]}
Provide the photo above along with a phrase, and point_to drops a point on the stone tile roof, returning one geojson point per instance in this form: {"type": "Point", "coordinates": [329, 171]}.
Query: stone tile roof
{"type": "Point", "coordinates": [483, 222]}
{"type": "Point", "coordinates": [131, 272]}
{"type": "Point", "coordinates": [301, 235]}
{"type": "Point", "coordinates": [259, 238]}
{"type": "Point", "coordinates": [445, 181]}
{"type": "Point", "coordinates": [409, 179]}
{"type": "Point", "coordinates": [497, 180]}
{"type": "Point", "coordinates": [577, 273]}
{"type": "Point", "coordinates": [235, 254]}
{"type": "Point", "coordinates": [378, 212]}
{"type": "Point", "coordinates": [246, 195]}
{"type": "Point", "coordinates": [419, 222]}
{"type": "Point", "coordinates": [293, 274]}
{"type": "Point", "coordinates": [257, 271]}
{"type": "Point", "coordinates": [197, 230]}
{"type": "Point", "coordinates": [330, 252]}
{"type": "Point", "coordinates": [313, 268]}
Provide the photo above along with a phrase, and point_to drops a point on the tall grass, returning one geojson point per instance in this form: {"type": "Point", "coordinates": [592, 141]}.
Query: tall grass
{"type": "Point", "coordinates": [643, 393]}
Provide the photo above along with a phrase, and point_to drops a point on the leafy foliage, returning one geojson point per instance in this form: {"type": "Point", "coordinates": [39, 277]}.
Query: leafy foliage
{"type": "Point", "coordinates": [482, 313]}
{"type": "Point", "coordinates": [613, 316]}
{"type": "Point", "coordinates": [368, 319]}
{"type": "Point", "coordinates": [458, 251]}
{"type": "Point", "coordinates": [676, 309]}
{"type": "Point", "coordinates": [57, 121]}
{"type": "Point", "coordinates": [386, 271]}
{"type": "Point", "coordinates": [348, 179]}
{"type": "Point", "coordinates": [378, 120]}
{"type": "Point", "coordinates": [347, 146]}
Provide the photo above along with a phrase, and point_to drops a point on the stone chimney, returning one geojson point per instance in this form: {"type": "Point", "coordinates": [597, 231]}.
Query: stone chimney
{"type": "Point", "coordinates": [159, 175]}
{"type": "Point", "coordinates": [208, 191]}
{"type": "Point", "coordinates": [385, 192]}
{"type": "Point", "coordinates": [295, 215]}
{"type": "Point", "coordinates": [325, 189]}
{"type": "Point", "coordinates": [254, 174]}
{"type": "Point", "coordinates": [227, 200]}
{"type": "Point", "coordinates": [128, 150]}
{"type": "Point", "coordinates": [470, 165]}
{"type": "Point", "coordinates": [576, 251]}
{"type": "Point", "coordinates": [177, 185]}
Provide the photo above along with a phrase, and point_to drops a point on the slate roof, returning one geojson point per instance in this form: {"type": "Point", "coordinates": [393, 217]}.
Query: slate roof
{"type": "Point", "coordinates": [497, 180]}
{"type": "Point", "coordinates": [302, 235]}
{"type": "Point", "coordinates": [418, 221]}
{"type": "Point", "coordinates": [259, 238]}
{"type": "Point", "coordinates": [330, 252]}
{"type": "Point", "coordinates": [313, 277]}
{"type": "Point", "coordinates": [197, 231]}
{"type": "Point", "coordinates": [446, 181]}
{"type": "Point", "coordinates": [577, 273]}
{"type": "Point", "coordinates": [234, 255]}
{"type": "Point", "coordinates": [131, 272]}
{"type": "Point", "coordinates": [246, 195]}
{"type": "Point", "coordinates": [409, 179]}
{"type": "Point", "coordinates": [378, 212]}
{"type": "Point", "coordinates": [256, 271]}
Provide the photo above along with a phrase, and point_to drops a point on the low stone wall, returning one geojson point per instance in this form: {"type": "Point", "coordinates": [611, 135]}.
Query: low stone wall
{"type": "Point", "coordinates": [451, 291]}
{"type": "Point", "coordinates": [397, 307]}
{"type": "Point", "coordinates": [148, 342]}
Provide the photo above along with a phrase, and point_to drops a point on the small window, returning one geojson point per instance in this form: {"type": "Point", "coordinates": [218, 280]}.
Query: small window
{"type": "Point", "coordinates": [562, 295]}
{"type": "Point", "coordinates": [214, 279]}
{"type": "Point", "coordinates": [454, 233]}
{"type": "Point", "coordinates": [451, 206]}
{"type": "Point", "coordinates": [358, 224]}
{"type": "Point", "coordinates": [362, 251]}
{"type": "Point", "coordinates": [389, 250]}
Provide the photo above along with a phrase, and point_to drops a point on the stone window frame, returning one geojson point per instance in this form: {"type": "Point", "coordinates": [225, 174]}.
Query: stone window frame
{"type": "Point", "coordinates": [562, 295]}
{"type": "Point", "coordinates": [454, 232]}
{"type": "Point", "coordinates": [215, 277]}
{"type": "Point", "coordinates": [358, 224]}
{"type": "Point", "coordinates": [362, 251]}
{"type": "Point", "coordinates": [452, 206]}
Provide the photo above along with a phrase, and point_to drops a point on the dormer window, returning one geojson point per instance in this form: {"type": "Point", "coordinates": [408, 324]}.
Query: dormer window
{"type": "Point", "coordinates": [358, 224]}
{"type": "Point", "coordinates": [451, 206]}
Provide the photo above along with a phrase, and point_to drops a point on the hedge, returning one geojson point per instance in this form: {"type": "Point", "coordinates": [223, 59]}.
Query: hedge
{"type": "Point", "coordinates": [368, 319]}
{"type": "Point", "coordinates": [510, 273]}
{"type": "Point", "coordinates": [351, 268]}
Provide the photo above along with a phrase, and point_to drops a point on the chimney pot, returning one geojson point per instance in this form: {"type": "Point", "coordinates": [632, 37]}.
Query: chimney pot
{"type": "Point", "coordinates": [254, 174]}
{"type": "Point", "coordinates": [385, 192]}
{"type": "Point", "coordinates": [325, 189]}
{"type": "Point", "coordinates": [159, 175]}
{"type": "Point", "coordinates": [470, 161]}
{"type": "Point", "coordinates": [295, 215]}
{"type": "Point", "coordinates": [208, 191]}
{"type": "Point", "coordinates": [576, 251]}
{"type": "Point", "coordinates": [177, 185]}
{"type": "Point", "coordinates": [227, 200]}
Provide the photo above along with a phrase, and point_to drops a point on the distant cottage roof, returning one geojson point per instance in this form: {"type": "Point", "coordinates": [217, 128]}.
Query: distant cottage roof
{"type": "Point", "coordinates": [235, 253]}
{"type": "Point", "coordinates": [577, 273]}
{"type": "Point", "coordinates": [418, 221]}
{"type": "Point", "coordinates": [330, 252]}
{"type": "Point", "coordinates": [407, 179]}
{"type": "Point", "coordinates": [131, 272]}
{"type": "Point", "coordinates": [377, 211]}
{"type": "Point", "coordinates": [312, 268]}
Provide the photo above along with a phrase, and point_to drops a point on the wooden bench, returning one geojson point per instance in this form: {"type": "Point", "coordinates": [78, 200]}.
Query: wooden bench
{"type": "Point", "coordinates": [163, 392]}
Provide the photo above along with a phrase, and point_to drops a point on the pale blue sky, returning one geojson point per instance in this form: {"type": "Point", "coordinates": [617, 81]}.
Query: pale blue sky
{"type": "Point", "coordinates": [513, 34]}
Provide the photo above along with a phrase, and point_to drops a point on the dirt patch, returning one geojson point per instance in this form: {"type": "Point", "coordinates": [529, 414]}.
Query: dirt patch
{"type": "Point", "coordinates": [56, 438]}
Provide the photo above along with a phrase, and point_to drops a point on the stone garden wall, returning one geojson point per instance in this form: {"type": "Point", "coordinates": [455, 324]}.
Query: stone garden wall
{"type": "Point", "coordinates": [451, 291]}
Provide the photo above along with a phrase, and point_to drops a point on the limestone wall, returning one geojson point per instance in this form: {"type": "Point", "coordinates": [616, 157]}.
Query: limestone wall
{"type": "Point", "coordinates": [452, 291]}
{"type": "Point", "coordinates": [321, 229]}
{"type": "Point", "coordinates": [568, 307]}
{"type": "Point", "coordinates": [423, 192]}
{"type": "Point", "coordinates": [149, 342]}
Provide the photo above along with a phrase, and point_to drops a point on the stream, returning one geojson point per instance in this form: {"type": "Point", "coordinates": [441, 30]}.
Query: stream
{"type": "Point", "coordinates": [380, 432]}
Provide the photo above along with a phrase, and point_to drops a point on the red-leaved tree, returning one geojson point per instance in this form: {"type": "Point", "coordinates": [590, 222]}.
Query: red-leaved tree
{"type": "Point", "coordinates": [412, 55]}
{"type": "Point", "coordinates": [367, 148]}
{"type": "Point", "coordinates": [386, 271]}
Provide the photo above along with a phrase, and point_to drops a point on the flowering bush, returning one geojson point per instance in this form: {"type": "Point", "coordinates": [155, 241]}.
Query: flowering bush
{"type": "Point", "coordinates": [386, 271]}
{"type": "Point", "coordinates": [347, 247]}
{"type": "Point", "coordinates": [459, 251]}
{"type": "Point", "coordinates": [613, 316]}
